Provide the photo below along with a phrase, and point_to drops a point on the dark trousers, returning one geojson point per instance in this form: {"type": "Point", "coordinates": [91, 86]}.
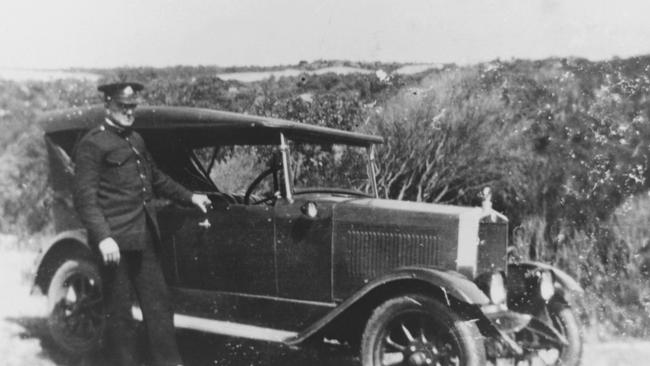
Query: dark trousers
{"type": "Point", "coordinates": [139, 273]}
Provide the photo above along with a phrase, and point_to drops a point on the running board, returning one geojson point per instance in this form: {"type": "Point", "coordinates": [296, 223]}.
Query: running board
{"type": "Point", "coordinates": [225, 328]}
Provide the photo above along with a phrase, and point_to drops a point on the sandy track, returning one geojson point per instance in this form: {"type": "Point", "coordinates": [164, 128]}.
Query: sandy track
{"type": "Point", "coordinates": [20, 314]}
{"type": "Point", "coordinates": [24, 338]}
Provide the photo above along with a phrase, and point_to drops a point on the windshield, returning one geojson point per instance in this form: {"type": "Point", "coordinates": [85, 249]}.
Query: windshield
{"type": "Point", "coordinates": [232, 169]}
{"type": "Point", "coordinates": [313, 168]}
{"type": "Point", "coordinates": [329, 166]}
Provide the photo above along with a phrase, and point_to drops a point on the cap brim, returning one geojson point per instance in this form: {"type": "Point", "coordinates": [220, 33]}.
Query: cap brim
{"type": "Point", "coordinates": [109, 88]}
{"type": "Point", "coordinates": [124, 101]}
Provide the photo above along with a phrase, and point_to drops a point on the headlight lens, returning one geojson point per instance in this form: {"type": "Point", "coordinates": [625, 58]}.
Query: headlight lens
{"type": "Point", "coordinates": [546, 286]}
{"type": "Point", "coordinates": [497, 289]}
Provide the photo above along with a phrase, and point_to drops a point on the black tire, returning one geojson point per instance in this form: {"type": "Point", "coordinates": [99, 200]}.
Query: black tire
{"type": "Point", "coordinates": [418, 330]}
{"type": "Point", "coordinates": [75, 308]}
{"type": "Point", "coordinates": [566, 322]}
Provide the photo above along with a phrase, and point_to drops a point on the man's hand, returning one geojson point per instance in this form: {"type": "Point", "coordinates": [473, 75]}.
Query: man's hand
{"type": "Point", "coordinates": [110, 251]}
{"type": "Point", "coordinates": [202, 201]}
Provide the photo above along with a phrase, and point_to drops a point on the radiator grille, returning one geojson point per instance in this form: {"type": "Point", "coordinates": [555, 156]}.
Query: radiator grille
{"type": "Point", "coordinates": [373, 252]}
{"type": "Point", "coordinates": [492, 253]}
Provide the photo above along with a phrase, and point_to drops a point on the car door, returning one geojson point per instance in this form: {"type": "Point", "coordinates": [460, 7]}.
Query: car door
{"type": "Point", "coordinates": [229, 249]}
{"type": "Point", "coordinates": [236, 251]}
{"type": "Point", "coordinates": [304, 251]}
{"type": "Point", "coordinates": [181, 236]}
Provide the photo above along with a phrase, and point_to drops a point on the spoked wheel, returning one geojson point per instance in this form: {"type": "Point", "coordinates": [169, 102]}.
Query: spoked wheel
{"type": "Point", "coordinates": [566, 323]}
{"type": "Point", "coordinates": [416, 330]}
{"type": "Point", "coordinates": [76, 320]}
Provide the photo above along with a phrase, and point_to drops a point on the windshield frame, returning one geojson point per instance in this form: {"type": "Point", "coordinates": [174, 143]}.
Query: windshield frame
{"type": "Point", "coordinates": [290, 188]}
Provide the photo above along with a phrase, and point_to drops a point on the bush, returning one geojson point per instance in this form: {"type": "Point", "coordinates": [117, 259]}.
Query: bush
{"type": "Point", "coordinates": [446, 140]}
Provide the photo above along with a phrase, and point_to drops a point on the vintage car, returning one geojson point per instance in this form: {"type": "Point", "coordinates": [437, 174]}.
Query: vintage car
{"type": "Point", "coordinates": [298, 248]}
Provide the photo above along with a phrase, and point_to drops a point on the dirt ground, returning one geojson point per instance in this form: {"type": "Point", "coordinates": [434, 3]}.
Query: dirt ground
{"type": "Point", "coordinates": [24, 339]}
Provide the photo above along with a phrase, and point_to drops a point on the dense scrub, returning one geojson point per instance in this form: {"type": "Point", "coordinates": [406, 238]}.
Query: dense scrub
{"type": "Point", "coordinates": [562, 142]}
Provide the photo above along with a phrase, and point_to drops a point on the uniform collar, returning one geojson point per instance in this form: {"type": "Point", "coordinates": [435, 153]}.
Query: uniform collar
{"type": "Point", "coordinates": [118, 130]}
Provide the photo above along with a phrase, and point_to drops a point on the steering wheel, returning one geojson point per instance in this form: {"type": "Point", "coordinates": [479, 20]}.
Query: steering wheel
{"type": "Point", "coordinates": [256, 182]}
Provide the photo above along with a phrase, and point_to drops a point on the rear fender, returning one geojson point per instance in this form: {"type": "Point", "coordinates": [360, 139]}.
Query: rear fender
{"type": "Point", "coordinates": [450, 287]}
{"type": "Point", "coordinates": [67, 244]}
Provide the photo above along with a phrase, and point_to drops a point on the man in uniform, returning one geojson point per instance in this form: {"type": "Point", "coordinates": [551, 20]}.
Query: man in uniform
{"type": "Point", "coordinates": [115, 181]}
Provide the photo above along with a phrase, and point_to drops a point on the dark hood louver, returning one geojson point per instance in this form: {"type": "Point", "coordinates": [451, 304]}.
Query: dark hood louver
{"type": "Point", "coordinates": [378, 251]}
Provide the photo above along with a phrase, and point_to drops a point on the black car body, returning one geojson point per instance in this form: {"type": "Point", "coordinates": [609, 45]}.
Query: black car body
{"type": "Point", "coordinates": [279, 258]}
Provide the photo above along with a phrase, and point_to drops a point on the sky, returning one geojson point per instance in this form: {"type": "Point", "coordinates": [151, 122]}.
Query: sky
{"type": "Point", "coordinates": [98, 34]}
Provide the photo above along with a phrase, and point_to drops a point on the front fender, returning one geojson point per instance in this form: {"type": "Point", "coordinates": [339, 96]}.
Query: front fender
{"type": "Point", "coordinates": [452, 285]}
{"type": "Point", "coordinates": [523, 287]}
{"type": "Point", "coordinates": [564, 279]}
{"type": "Point", "coordinates": [52, 250]}
{"type": "Point", "coordinates": [451, 282]}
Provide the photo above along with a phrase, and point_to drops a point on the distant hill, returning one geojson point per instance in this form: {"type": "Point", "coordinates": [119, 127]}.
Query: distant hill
{"type": "Point", "coordinates": [235, 73]}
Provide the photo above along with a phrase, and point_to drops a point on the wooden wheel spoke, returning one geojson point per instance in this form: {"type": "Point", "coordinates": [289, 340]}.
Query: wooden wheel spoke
{"type": "Point", "coordinates": [71, 294]}
{"type": "Point", "coordinates": [395, 345]}
{"type": "Point", "coordinates": [407, 332]}
{"type": "Point", "coordinates": [392, 358]}
{"type": "Point", "coordinates": [423, 337]}
{"type": "Point", "coordinates": [83, 288]}
{"type": "Point", "coordinates": [454, 360]}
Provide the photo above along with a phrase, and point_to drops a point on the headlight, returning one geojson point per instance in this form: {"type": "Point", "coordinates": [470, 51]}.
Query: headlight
{"type": "Point", "coordinates": [497, 289]}
{"type": "Point", "coordinates": [546, 285]}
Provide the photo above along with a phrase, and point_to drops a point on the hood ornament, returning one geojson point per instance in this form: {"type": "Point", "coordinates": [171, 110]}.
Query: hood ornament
{"type": "Point", "coordinates": [486, 194]}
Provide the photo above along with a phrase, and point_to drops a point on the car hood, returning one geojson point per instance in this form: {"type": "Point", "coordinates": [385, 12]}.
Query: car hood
{"type": "Point", "coordinates": [389, 234]}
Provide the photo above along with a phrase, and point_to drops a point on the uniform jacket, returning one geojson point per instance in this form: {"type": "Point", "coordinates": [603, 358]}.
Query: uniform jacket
{"type": "Point", "coordinates": [115, 181]}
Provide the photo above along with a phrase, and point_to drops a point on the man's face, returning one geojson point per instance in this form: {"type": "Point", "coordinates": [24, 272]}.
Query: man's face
{"type": "Point", "coordinates": [122, 114]}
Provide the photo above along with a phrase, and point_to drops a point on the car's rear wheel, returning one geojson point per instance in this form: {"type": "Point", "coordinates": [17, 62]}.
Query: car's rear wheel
{"type": "Point", "coordinates": [76, 315]}
{"type": "Point", "coordinates": [417, 330]}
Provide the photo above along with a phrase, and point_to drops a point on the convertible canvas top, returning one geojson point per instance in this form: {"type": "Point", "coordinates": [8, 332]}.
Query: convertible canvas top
{"type": "Point", "coordinates": [206, 126]}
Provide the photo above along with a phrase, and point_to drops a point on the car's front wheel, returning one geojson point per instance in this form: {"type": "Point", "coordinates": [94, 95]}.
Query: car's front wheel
{"type": "Point", "coordinates": [418, 330]}
{"type": "Point", "coordinates": [76, 315]}
{"type": "Point", "coordinates": [565, 322]}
